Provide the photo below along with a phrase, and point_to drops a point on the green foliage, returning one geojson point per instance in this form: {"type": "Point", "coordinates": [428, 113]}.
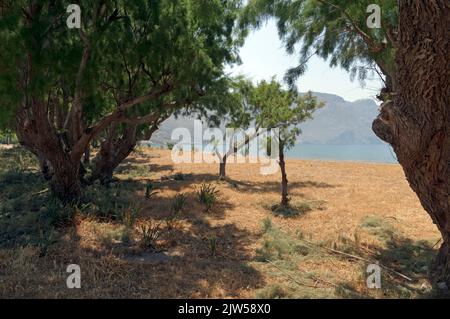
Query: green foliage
{"type": "Point", "coordinates": [285, 211]}
{"type": "Point", "coordinates": [150, 233]}
{"type": "Point", "coordinates": [379, 227]}
{"type": "Point", "coordinates": [282, 254]}
{"type": "Point", "coordinates": [7, 136]}
{"type": "Point", "coordinates": [212, 241]}
{"type": "Point", "coordinates": [58, 214]}
{"type": "Point", "coordinates": [150, 190]}
{"type": "Point", "coordinates": [130, 215]}
{"type": "Point", "coordinates": [134, 170]}
{"type": "Point", "coordinates": [266, 225]}
{"type": "Point", "coordinates": [207, 195]}
{"type": "Point", "coordinates": [275, 107]}
{"type": "Point", "coordinates": [237, 115]}
{"type": "Point", "coordinates": [29, 215]}
{"type": "Point", "coordinates": [45, 239]}
{"type": "Point", "coordinates": [142, 57]}
{"type": "Point", "coordinates": [106, 202]}
{"type": "Point", "coordinates": [17, 160]}
{"type": "Point", "coordinates": [176, 208]}
{"type": "Point", "coordinates": [118, 234]}
{"type": "Point", "coordinates": [278, 244]}
{"type": "Point", "coordinates": [335, 30]}
{"type": "Point", "coordinates": [296, 208]}
{"type": "Point", "coordinates": [178, 203]}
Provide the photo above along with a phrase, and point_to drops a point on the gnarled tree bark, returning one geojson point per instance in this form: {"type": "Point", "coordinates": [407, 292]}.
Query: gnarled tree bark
{"type": "Point", "coordinates": [112, 152]}
{"type": "Point", "coordinates": [114, 149]}
{"type": "Point", "coordinates": [416, 121]}
{"type": "Point", "coordinates": [38, 135]}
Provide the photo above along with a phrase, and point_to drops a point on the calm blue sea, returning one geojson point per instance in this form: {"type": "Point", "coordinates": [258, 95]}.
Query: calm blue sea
{"type": "Point", "coordinates": [378, 153]}
{"type": "Point", "coordinates": [382, 153]}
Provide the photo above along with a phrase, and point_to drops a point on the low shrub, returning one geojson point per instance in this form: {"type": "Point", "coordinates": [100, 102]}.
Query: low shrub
{"type": "Point", "coordinates": [208, 196]}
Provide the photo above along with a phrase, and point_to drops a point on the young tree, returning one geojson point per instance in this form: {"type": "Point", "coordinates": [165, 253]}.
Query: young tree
{"type": "Point", "coordinates": [284, 110]}
{"type": "Point", "coordinates": [416, 122]}
{"type": "Point", "coordinates": [127, 66]}
{"type": "Point", "coordinates": [236, 114]}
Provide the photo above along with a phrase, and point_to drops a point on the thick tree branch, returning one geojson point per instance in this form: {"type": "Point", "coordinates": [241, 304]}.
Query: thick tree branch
{"type": "Point", "coordinates": [118, 114]}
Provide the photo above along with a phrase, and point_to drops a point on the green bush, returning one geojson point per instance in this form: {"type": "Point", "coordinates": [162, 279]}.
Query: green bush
{"type": "Point", "coordinates": [170, 145]}
{"type": "Point", "coordinates": [266, 225]}
{"type": "Point", "coordinates": [207, 195]}
{"type": "Point", "coordinates": [150, 233]}
{"type": "Point", "coordinates": [130, 215]}
{"type": "Point", "coordinates": [178, 203]}
{"type": "Point", "coordinates": [150, 190]}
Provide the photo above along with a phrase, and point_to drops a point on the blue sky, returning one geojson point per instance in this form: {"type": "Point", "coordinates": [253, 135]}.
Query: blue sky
{"type": "Point", "coordinates": [264, 56]}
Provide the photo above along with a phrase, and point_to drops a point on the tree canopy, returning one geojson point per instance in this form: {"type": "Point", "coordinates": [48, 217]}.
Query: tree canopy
{"type": "Point", "coordinates": [335, 30]}
{"type": "Point", "coordinates": [130, 63]}
{"type": "Point", "coordinates": [123, 50]}
{"type": "Point", "coordinates": [276, 107]}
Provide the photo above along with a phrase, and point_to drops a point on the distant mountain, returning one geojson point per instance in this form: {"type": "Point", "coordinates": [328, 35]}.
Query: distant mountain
{"type": "Point", "coordinates": [339, 122]}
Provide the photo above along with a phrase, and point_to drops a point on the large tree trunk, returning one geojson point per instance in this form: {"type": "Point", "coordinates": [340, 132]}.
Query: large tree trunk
{"type": "Point", "coordinates": [284, 180]}
{"type": "Point", "coordinates": [36, 133]}
{"type": "Point", "coordinates": [416, 122]}
{"type": "Point", "coordinates": [112, 152]}
{"type": "Point", "coordinates": [65, 182]}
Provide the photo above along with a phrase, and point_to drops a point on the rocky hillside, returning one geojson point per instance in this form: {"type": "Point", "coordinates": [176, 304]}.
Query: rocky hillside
{"type": "Point", "coordinates": [339, 122]}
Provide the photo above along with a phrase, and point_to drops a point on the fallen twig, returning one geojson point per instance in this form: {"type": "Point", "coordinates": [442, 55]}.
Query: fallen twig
{"type": "Point", "coordinates": [40, 192]}
{"type": "Point", "coordinates": [289, 276]}
{"type": "Point", "coordinates": [436, 243]}
{"type": "Point", "coordinates": [359, 258]}
{"type": "Point", "coordinates": [320, 279]}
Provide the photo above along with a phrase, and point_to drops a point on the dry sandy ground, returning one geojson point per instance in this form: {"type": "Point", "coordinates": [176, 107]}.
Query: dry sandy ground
{"type": "Point", "coordinates": [347, 192]}
{"type": "Point", "coordinates": [350, 191]}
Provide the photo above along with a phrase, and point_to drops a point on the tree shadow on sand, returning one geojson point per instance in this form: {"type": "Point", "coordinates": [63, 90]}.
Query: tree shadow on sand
{"type": "Point", "coordinates": [195, 260]}
{"type": "Point", "coordinates": [407, 257]}
{"type": "Point", "coordinates": [160, 207]}
{"type": "Point", "coordinates": [241, 185]}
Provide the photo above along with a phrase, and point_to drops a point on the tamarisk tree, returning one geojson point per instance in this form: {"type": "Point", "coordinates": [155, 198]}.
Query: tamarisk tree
{"type": "Point", "coordinates": [416, 121]}
{"type": "Point", "coordinates": [284, 110]}
{"type": "Point", "coordinates": [129, 65]}
{"type": "Point", "coordinates": [410, 51]}
{"type": "Point", "coordinates": [236, 115]}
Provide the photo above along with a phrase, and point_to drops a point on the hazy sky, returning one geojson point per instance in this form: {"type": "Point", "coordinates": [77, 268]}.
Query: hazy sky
{"type": "Point", "coordinates": [264, 56]}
